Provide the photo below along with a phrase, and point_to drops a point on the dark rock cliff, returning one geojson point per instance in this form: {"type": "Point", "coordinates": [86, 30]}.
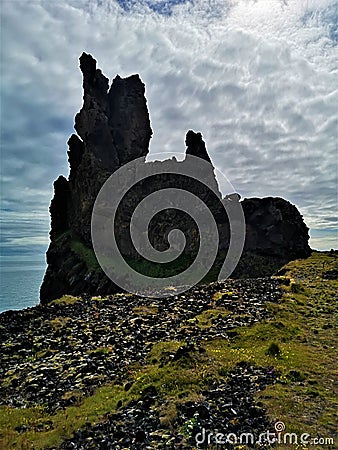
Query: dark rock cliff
{"type": "Point", "coordinates": [113, 128]}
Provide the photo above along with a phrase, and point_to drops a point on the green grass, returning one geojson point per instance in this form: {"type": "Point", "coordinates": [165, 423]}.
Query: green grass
{"type": "Point", "coordinates": [205, 319]}
{"type": "Point", "coordinates": [65, 300]}
{"type": "Point", "coordinates": [146, 310]}
{"type": "Point", "coordinates": [155, 270]}
{"type": "Point", "coordinates": [74, 242]}
{"type": "Point", "coordinates": [63, 422]}
{"type": "Point", "coordinates": [87, 254]}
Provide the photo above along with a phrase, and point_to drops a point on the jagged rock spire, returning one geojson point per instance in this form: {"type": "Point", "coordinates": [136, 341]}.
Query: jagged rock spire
{"type": "Point", "coordinates": [196, 145]}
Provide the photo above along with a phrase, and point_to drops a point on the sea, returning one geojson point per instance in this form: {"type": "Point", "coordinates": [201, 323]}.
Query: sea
{"type": "Point", "coordinates": [20, 281]}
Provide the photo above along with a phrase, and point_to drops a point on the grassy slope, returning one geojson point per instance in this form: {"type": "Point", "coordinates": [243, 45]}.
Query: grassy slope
{"type": "Point", "coordinates": [300, 341]}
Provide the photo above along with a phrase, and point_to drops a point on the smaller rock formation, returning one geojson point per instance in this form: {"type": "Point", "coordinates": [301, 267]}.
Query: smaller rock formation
{"type": "Point", "coordinates": [275, 234]}
{"type": "Point", "coordinates": [274, 227]}
{"type": "Point", "coordinates": [196, 146]}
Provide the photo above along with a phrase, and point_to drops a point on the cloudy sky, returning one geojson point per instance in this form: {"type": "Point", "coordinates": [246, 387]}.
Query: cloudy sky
{"type": "Point", "coordinates": [258, 78]}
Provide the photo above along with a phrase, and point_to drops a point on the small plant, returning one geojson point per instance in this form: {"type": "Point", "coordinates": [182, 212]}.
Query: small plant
{"type": "Point", "coordinates": [296, 376]}
{"type": "Point", "coordinates": [146, 310]}
{"type": "Point", "coordinates": [274, 350]}
{"type": "Point", "coordinates": [86, 254]}
{"type": "Point", "coordinates": [188, 427]}
{"type": "Point", "coordinates": [59, 322]}
{"type": "Point", "coordinates": [223, 372]}
{"type": "Point", "coordinates": [65, 300]}
{"type": "Point", "coordinates": [100, 351]}
{"type": "Point", "coordinates": [297, 288]}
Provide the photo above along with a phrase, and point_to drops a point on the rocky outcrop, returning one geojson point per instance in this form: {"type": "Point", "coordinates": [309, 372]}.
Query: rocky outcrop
{"type": "Point", "coordinates": [113, 128]}
{"type": "Point", "coordinates": [275, 227]}
{"type": "Point", "coordinates": [196, 146]}
{"type": "Point", "coordinates": [275, 234]}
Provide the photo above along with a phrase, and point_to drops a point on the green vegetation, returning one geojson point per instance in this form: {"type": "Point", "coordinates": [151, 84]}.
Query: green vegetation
{"type": "Point", "coordinates": [299, 341]}
{"type": "Point", "coordinates": [249, 265]}
{"type": "Point", "coordinates": [59, 322]}
{"type": "Point", "coordinates": [156, 270]}
{"type": "Point", "coordinates": [273, 350]}
{"type": "Point", "coordinates": [87, 254]}
{"type": "Point", "coordinates": [63, 423]}
{"type": "Point", "coordinates": [146, 310]}
{"type": "Point", "coordinates": [69, 239]}
{"type": "Point", "coordinates": [101, 351]}
{"type": "Point", "coordinates": [205, 320]}
{"type": "Point", "coordinates": [65, 300]}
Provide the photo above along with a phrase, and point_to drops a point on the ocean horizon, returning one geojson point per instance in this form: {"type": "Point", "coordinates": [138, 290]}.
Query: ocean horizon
{"type": "Point", "coordinates": [20, 281]}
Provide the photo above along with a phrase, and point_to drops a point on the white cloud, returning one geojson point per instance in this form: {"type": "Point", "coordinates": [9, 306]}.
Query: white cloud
{"type": "Point", "coordinates": [257, 78]}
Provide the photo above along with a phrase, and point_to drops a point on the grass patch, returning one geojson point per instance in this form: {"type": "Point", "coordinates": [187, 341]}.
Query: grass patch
{"type": "Point", "coordinates": [86, 254]}
{"type": "Point", "coordinates": [64, 423]}
{"type": "Point", "coordinates": [174, 380]}
{"type": "Point", "coordinates": [59, 322]}
{"type": "Point", "coordinates": [65, 300]}
{"type": "Point", "coordinates": [206, 318]}
{"type": "Point", "coordinates": [297, 288]}
{"type": "Point", "coordinates": [305, 397]}
{"type": "Point", "coordinates": [146, 310]}
{"type": "Point", "coordinates": [100, 351]}
{"type": "Point", "coordinates": [274, 350]}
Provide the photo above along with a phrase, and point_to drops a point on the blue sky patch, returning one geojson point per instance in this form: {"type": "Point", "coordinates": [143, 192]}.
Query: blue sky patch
{"type": "Point", "coordinates": [328, 17]}
{"type": "Point", "coordinates": [163, 7]}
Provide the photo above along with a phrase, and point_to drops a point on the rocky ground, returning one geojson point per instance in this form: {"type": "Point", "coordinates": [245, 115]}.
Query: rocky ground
{"type": "Point", "coordinates": [228, 408]}
{"type": "Point", "coordinates": [56, 355]}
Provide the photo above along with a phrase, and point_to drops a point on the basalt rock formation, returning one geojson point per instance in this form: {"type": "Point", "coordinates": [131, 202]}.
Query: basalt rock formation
{"type": "Point", "coordinates": [113, 128]}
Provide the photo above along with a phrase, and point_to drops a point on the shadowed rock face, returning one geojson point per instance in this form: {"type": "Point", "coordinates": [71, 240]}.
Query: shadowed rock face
{"type": "Point", "coordinates": [113, 128]}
